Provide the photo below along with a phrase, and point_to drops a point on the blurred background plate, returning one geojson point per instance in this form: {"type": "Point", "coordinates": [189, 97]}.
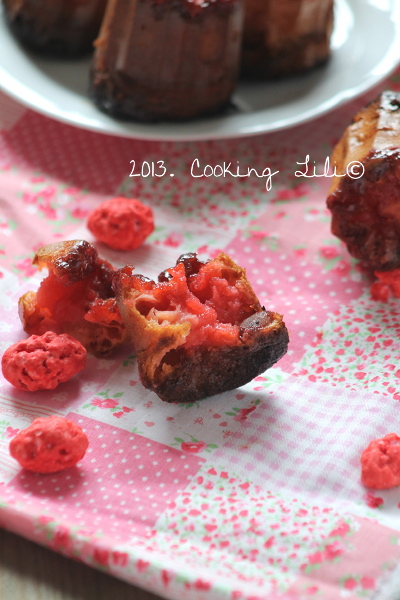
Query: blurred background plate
{"type": "Point", "coordinates": [365, 49]}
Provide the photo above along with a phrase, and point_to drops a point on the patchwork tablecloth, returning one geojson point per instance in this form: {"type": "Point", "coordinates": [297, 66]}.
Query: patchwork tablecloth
{"type": "Point", "coordinates": [251, 494]}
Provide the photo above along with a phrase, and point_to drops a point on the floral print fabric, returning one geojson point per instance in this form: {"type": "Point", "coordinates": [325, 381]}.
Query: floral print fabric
{"type": "Point", "coordinates": [253, 494]}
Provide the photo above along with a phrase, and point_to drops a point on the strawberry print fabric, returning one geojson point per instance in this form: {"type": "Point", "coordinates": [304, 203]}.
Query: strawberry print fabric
{"type": "Point", "coordinates": [254, 494]}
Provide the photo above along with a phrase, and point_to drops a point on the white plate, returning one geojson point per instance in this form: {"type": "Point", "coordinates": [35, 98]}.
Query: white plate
{"type": "Point", "coordinates": [365, 49]}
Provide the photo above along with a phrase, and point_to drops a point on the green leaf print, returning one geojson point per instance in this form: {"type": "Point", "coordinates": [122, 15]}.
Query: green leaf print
{"type": "Point", "coordinates": [129, 360]}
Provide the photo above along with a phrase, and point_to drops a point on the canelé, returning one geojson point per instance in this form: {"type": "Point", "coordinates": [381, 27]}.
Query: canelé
{"type": "Point", "coordinates": [76, 297]}
{"type": "Point", "coordinates": [285, 37]}
{"type": "Point", "coordinates": [56, 27]}
{"type": "Point", "coordinates": [364, 197]}
{"type": "Point", "coordinates": [167, 59]}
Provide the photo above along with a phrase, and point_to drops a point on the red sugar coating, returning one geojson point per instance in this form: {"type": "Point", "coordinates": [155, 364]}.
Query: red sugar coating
{"type": "Point", "coordinates": [121, 223]}
{"type": "Point", "coordinates": [388, 284]}
{"type": "Point", "coordinates": [380, 291]}
{"type": "Point", "coordinates": [49, 445]}
{"type": "Point", "coordinates": [41, 362]}
{"type": "Point", "coordinates": [380, 463]}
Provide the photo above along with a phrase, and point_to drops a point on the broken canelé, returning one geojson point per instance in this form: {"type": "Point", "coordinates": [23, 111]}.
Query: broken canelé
{"type": "Point", "coordinates": [366, 209]}
{"type": "Point", "coordinates": [75, 298]}
{"type": "Point", "coordinates": [200, 330]}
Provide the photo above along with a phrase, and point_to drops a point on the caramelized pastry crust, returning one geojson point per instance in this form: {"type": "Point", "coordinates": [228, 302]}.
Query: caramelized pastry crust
{"type": "Point", "coordinates": [200, 330]}
{"type": "Point", "coordinates": [75, 298]}
{"type": "Point", "coordinates": [366, 210]}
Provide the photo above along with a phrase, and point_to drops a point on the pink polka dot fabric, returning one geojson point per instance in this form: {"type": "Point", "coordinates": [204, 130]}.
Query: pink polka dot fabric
{"type": "Point", "coordinates": [253, 494]}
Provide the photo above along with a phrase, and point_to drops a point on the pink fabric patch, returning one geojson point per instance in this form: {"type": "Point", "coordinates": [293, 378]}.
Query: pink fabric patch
{"type": "Point", "coordinates": [120, 488]}
{"type": "Point", "coordinates": [292, 285]}
{"type": "Point", "coordinates": [372, 552]}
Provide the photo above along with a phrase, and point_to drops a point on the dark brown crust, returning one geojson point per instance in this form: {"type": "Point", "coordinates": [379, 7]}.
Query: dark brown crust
{"type": "Point", "coordinates": [284, 37]}
{"type": "Point", "coordinates": [366, 211]}
{"type": "Point", "coordinates": [66, 28]}
{"type": "Point", "coordinates": [147, 105]}
{"type": "Point", "coordinates": [179, 374]}
{"type": "Point", "coordinates": [196, 48]}
{"type": "Point", "coordinates": [206, 372]}
{"type": "Point", "coordinates": [70, 261]}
